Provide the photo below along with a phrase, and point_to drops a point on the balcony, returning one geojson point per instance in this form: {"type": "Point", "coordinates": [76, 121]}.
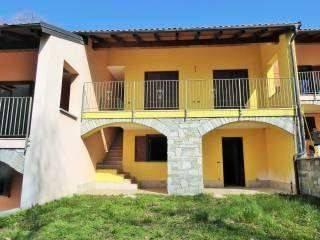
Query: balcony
{"type": "Point", "coordinates": [188, 98]}
{"type": "Point", "coordinates": [310, 85]}
{"type": "Point", "coordinates": [15, 117]}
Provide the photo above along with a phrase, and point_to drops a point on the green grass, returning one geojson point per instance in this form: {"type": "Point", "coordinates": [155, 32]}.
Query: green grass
{"type": "Point", "coordinates": [162, 217]}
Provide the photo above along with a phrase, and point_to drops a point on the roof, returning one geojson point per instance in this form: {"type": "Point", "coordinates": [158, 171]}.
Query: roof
{"type": "Point", "coordinates": [308, 36]}
{"type": "Point", "coordinates": [18, 36]}
{"type": "Point", "coordinates": [232, 34]}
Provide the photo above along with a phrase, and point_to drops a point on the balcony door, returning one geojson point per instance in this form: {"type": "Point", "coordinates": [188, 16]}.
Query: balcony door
{"type": "Point", "coordinates": [15, 104]}
{"type": "Point", "coordinates": [231, 89]}
{"type": "Point", "coordinates": [161, 90]}
{"type": "Point", "coordinates": [309, 77]}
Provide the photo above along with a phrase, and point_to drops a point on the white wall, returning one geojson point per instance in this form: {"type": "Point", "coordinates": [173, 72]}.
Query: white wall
{"type": "Point", "coordinates": [57, 160]}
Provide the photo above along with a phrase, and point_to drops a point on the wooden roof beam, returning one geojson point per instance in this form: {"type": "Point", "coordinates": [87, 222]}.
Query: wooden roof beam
{"type": "Point", "coordinates": [117, 38]}
{"type": "Point", "coordinates": [217, 35]}
{"type": "Point", "coordinates": [260, 32]}
{"type": "Point", "coordinates": [157, 36]}
{"type": "Point", "coordinates": [96, 39]}
{"type": "Point", "coordinates": [197, 35]}
{"type": "Point", "coordinates": [137, 37]}
{"type": "Point", "coordinates": [239, 34]}
{"type": "Point", "coordinates": [17, 36]}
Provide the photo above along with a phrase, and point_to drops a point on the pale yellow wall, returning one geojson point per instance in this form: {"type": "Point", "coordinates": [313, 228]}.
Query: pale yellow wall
{"type": "Point", "coordinates": [275, 62]}
{"type": "Point", "coordinates": [18, 65]}
{"type": "Point", "coordinates": [143, 171]}
{"type": "Point", "coordinates": [280, 152]}
{"type": "Point", "coordinates": [254, 153]}
{"type": "Point", "coordinates": [308, 54]}
{"type": "Point", "coordinates": [193, 63]}
{"type": "Point", "coordinates": [268, 154]}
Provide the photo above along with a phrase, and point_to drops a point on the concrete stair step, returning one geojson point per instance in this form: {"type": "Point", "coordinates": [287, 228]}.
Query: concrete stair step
{"type": "Point", "coordinates": [112, 162]}
{"type": "Point", "coordinates": [111, 171]}
{"type": "Point", "coordinates": [103, 166]}
{"type": "Point", "coordinates": [103, 188]}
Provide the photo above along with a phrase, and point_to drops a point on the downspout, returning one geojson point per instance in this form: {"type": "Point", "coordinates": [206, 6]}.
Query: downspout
{"type": "Point", "coordinates": [301, 141]}
{"type": "Point", "coordinates": [300, 131]}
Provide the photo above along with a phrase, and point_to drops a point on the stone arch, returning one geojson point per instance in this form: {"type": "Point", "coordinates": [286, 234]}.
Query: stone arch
{"type": "Point", "coordinates": [90, 126]}
{"type": "Point", "coordinates": [13, 158]}
{"type": "Point", "coordinates": [285, 123]}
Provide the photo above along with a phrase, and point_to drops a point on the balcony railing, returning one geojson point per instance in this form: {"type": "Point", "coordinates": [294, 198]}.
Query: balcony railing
{"type": "Point", "coordinates": [237, 93]}
{"type": "Point", "coordinates": [309, 83]}
{"type": "Point", "coordinates": [15, 115]}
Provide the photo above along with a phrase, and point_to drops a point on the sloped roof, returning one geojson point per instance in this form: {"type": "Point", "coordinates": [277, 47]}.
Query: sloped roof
{"type": "Point", "coordinates": [181, 36]}
{"type": "Point", "coordinates": [16, 36]}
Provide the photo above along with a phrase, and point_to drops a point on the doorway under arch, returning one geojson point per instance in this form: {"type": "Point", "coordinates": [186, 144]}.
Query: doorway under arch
{"type": "Point", "coordinates": [248, 154]}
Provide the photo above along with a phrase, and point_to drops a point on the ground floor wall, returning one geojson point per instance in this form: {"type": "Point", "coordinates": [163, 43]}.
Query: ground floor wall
{"type": "Point", "coordinates": [148, 174]}
{"type": "Point", "coordinates": [12, 201]}
{"type": "Point", "coordinates": [268, 157]}
{"type": "Point", "coordinates": [187, 168]}
{"type": "Point", "coordinates": [309, 176]}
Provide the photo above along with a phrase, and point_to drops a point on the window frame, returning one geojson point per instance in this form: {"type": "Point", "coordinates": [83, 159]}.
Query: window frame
{"type": "Point", "coordinates": [147, 154]}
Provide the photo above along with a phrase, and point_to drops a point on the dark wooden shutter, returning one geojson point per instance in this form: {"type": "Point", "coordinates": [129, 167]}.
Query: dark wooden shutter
{"type": "Point", "coordinates": [140, 148]}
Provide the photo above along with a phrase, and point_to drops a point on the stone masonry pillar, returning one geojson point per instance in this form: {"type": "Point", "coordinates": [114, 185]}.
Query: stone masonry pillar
{"type": "Point", "coordinates": [185, 175]}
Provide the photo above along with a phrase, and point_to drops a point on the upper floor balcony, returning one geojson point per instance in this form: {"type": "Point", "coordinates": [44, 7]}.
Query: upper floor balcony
{"type": "Point", "coordinates": [15, 116]}
{"type": "Point", "coordinates": [309, 85]}
{"type": "Point", "coordinates": [225, 97]}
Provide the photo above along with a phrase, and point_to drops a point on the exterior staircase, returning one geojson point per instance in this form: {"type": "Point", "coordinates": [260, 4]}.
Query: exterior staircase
{"type": "Point", "coordinates": [113, 159]}
{"type": "Point", "coordinates": [109, 177]}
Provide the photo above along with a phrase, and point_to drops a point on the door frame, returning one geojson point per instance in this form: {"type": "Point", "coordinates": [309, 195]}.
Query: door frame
{"type": "Point", "coordinates": [243, 182]}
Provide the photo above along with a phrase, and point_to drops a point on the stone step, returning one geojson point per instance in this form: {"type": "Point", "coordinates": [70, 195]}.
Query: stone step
{"type": "Point", "coordinates": [103, 166]}
{"type": "Point", "coordinates": [111, 163]}
{"type": "Point", "coordinates": [111, 171]}
{"type": "Point", "coordinates": [106, 188]}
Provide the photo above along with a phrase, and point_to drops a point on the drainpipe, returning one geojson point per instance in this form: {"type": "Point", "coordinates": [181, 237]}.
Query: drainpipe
{"type": "Point", "coordinates": [300, 131]}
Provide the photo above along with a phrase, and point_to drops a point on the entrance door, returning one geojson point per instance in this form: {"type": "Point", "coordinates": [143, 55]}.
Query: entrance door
{"type": "Point", "coordinates": [231, 89]}
{"type": "Point", "coordinates": [161, 90]}
{"type": "Point", "coordinates": [233, 164]}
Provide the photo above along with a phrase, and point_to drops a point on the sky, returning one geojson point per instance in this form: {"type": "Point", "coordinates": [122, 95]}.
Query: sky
{"type": "Point", "coordinates": [122, 14]}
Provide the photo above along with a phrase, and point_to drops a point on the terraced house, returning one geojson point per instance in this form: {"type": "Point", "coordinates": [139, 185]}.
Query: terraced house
{"type": "Point", "coordinates": [181, 109]}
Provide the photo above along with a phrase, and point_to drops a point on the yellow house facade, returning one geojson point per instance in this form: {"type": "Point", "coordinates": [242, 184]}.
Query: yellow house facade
{"type": "Point", "coordinates": [177, 109]}
{"type": "Point", "coordinates": [200, 97]}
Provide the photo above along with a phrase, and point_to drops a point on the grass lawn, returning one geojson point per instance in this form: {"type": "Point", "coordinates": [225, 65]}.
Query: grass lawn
{"type": "Point", "coordinates": [163, 217]}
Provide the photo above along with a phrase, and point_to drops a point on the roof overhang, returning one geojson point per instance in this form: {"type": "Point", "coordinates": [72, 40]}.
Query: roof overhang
{"type": "Point", "coordinates": [27, 36]}
{"type": "Point", "coordinates": [308, 36]}
{"type": "Point", "coordinates": [238, 34]}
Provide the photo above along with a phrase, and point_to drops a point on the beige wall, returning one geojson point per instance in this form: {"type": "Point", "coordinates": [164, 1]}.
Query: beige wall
{"type": "Point", "coordinates": [13, 201]}
{"type": "Point", "coordinates": [57, 159]}
{"type": "Point", "coordinates": [18, 65]}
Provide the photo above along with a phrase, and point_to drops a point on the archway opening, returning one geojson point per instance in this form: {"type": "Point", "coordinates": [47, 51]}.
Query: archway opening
{"type": "Point", "coordinates": [129, 152]}
{"type": "Point", "coordinates": [248, 154]}
{"type": "Point", "coordinates": [10, 187]}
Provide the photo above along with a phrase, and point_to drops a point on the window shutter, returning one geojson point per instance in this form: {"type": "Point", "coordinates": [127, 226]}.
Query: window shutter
{"type": "Point", "coordinates": [140, 148]}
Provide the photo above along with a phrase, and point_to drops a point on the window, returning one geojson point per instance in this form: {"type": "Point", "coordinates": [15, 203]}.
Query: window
{"type": "Point", "coordinates": [6, 175]}
{"type": "Point", "coordinates": [151, 148]}
{"type": "Point", "coordinates": [69, 74]}
{"type": "Point", "coordinates": [309, 125]}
